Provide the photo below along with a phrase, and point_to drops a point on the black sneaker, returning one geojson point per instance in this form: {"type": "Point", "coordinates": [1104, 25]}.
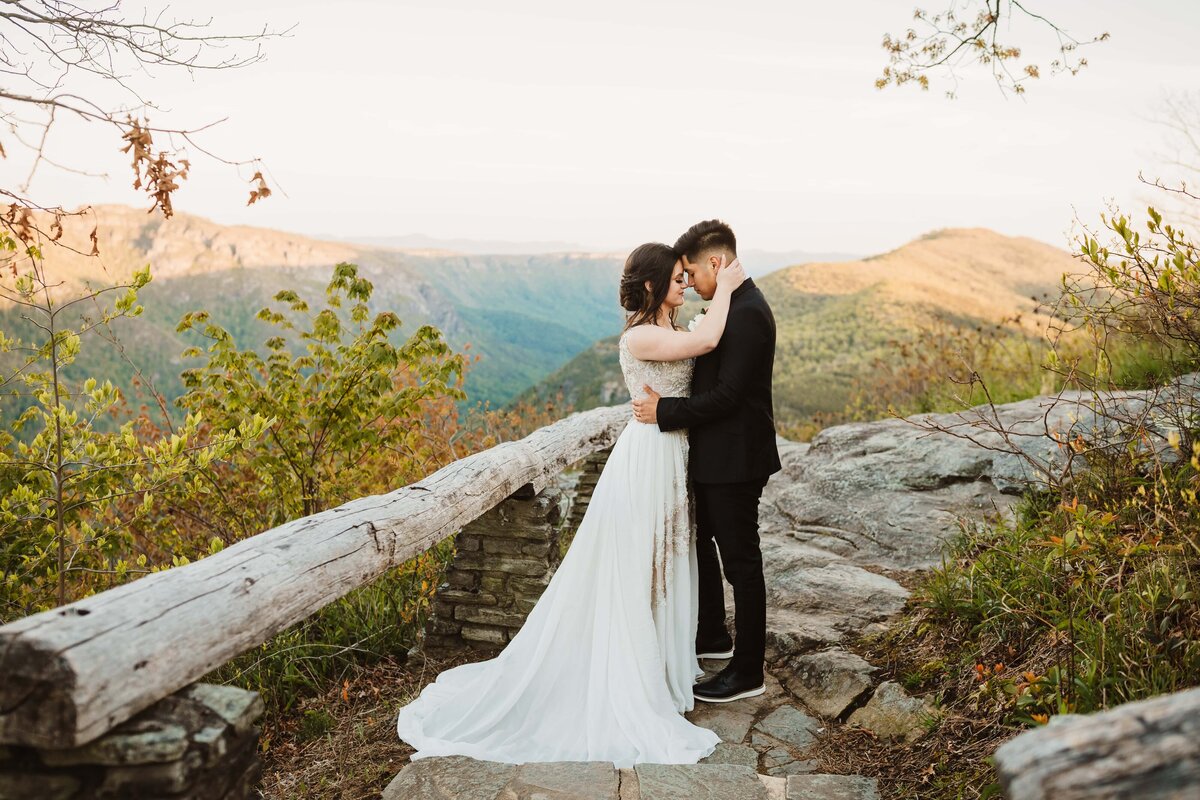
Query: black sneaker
{"type": "Point", "coordinates": [721, 647]}
{"type": "Point", "coordinates": [727, 686]}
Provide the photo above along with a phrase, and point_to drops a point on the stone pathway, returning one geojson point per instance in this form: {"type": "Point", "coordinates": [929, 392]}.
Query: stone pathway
{"type": "Point", "coordinates": [762, 756]}
{"type": "Point", "coordinates": [461, 778]}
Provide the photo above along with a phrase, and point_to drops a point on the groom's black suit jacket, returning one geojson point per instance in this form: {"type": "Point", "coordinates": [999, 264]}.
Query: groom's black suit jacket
{"type": "Point", "coordinates": [731, 427]}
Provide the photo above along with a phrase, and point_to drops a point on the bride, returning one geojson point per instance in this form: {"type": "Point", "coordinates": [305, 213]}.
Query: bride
{"type": "Point", "coordinates": [603, 667]}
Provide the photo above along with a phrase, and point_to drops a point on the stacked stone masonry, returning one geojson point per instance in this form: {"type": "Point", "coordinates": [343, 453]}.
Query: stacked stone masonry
{"type": "Point", "coordinates": [505, 560]}
{"type": "Point", "coordinates": [200, 743]}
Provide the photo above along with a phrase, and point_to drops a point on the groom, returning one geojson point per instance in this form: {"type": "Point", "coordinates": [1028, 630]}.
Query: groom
{"type": "Point", "coordinates": [731, 431]}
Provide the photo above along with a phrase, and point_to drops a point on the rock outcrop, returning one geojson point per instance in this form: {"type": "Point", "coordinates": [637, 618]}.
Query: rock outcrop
{"type": "Point", "coordinates": [860, 504]}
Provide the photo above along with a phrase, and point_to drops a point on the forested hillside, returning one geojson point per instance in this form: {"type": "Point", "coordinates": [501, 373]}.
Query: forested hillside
{"type": "Point", "coordinates": [521, 315]}
{"type": "Point", "coordinates": [835, 320]}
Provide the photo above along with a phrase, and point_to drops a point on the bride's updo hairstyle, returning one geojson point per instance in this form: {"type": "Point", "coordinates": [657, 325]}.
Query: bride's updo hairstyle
{"type": "Point", "coordinates": [653, 262]}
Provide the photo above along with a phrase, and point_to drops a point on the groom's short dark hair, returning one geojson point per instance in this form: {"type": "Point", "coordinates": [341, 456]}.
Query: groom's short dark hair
{"type": "Point", "coordinates": [712, 234]}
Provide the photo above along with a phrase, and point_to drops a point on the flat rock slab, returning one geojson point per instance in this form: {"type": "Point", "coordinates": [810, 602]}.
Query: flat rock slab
{"type": "Point", "coordinates": [762, 743]}
{"type": "Point", "coordinates": [790, 725]}
{"type": "Point", "coordinates": [452, 776]}
{"type": "Point", "coordinates": [773, 695]}
{"type": "Point", "coordinates": [699, 782]}
{"type": "Point", "coordinates": [728, 753]}
{"type": "Point", "coordinates": [238, 707]}
{"type": "Point", "coordinates": [564, 780]}
{"type": "Point", "coordinates": [629, 784]}
{"type": "Point", "coordinates": [138, 741]}
{"type": "Point", "coordinates": [894, 714]}
{"type": "Point", "coordinates": [828, 681]}
{"type": "Point", "coordinates": [724, 719]}
{"type": "Point", "coordinates": [776, 787]}
{"type": "Point", "coordinates": [809, 608]}
{"type": "Point", "coordinates": [832, 787]}
{"type": "Point", "coordinates": [779, 762]}
{"type": "Point", "coordinates": [465, 778]}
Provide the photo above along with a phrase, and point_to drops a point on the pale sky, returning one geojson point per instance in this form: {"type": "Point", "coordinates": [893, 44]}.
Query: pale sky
{"type": "Point", "coordinates": [609, 124]}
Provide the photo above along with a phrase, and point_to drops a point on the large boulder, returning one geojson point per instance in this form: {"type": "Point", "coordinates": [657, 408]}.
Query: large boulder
{"type": "Point", "coordinates": [1149, 749]}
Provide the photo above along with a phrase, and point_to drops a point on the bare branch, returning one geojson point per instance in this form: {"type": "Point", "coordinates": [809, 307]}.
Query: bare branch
{"type": "Point", "coordinates": [948, 42]}
{"type": "Point", "coordinates": [48, 46]}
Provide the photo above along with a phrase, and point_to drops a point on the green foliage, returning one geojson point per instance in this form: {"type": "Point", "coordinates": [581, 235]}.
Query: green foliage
{"type": "Point", "coordinates": [589, 380]}
{"type": "Point", "coordinates": [516, 350]}
{"type": "Point", "coordinates": [524, 315]}
{"type": "Point", "coordinates": [1088, 605]}
{"type": "Point", "coordinates": [73, 494]}
{"type": "Point", "coordinates": [344, 396]}
{"type": "Point", "coordinates": [314, 724]}
{"type": "Point", "coordinates": [1140, 295]}
{"type": "Point", "coordinates": [824, 344]}
{"type": "Point", "coordinates": [937, 370]}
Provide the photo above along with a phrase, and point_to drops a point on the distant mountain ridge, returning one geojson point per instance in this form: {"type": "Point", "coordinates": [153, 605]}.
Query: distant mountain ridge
{"type": "Point", "coordinates": [522, 315]}
{"type": "Point", "coordinates": [757, 262]}
{"type": "Point", "coordinates": [834, 318]}
{"type": "Point", "coordinates": [492, 247]}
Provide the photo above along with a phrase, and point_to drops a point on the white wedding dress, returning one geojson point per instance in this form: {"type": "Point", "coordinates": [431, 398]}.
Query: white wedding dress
{"type": "Point", "coordinates": [603, 667]}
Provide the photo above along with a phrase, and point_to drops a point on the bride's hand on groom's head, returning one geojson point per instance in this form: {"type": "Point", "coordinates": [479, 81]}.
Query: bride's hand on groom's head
{"type": "Point", "coordinates": [730, 275]}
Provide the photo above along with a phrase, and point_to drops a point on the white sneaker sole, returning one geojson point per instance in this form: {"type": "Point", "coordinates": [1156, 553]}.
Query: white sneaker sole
{"type": "Point", "coordinates": [739, 696]}
{"type": "Point", "coordinates": [723, 654]}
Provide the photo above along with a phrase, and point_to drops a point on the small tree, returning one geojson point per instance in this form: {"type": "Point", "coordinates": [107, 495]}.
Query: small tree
{"type": "Point", "coordinates": [348, 402]}
{"type": "Point", "coordinates": [71, 494]}
{"type": "Point", "coordinates": [356, 411]}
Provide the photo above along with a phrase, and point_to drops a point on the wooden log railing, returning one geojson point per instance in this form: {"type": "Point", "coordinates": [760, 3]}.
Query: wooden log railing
{"type": "Point", "coordinates": [70, 674]}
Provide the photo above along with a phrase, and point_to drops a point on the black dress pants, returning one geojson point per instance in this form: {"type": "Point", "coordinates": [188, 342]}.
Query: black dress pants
{"type": "Point", "coordinates": [727, 521]}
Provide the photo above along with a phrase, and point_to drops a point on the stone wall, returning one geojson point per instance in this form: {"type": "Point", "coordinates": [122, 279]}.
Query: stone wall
{"type": "Point", "coordinates": [505, 560]}
{"type": "Point", "coordinates": [200, 743]}
{"type": "Point", "coordinates": [583, 483]}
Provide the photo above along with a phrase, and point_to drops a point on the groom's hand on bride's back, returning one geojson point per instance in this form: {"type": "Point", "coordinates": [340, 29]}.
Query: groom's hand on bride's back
{"type": "Point", "coordinates": [645, 409]}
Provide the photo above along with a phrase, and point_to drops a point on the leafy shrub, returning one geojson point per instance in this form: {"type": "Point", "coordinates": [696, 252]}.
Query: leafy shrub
{"type": "Point", "coordinates": [72, 494]}
{"type": "Point", "coordinates": [1074, 607]}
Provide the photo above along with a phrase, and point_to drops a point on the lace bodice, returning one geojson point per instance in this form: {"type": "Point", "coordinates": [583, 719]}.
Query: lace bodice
{"type": "Point", "coordinates": [668, 378]}
{"type": "Point", "coordinates": [673, 538]}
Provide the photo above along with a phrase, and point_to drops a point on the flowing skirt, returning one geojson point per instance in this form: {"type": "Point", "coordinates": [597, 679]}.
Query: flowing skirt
{"type": "Point", "coordinates": [603, 667]}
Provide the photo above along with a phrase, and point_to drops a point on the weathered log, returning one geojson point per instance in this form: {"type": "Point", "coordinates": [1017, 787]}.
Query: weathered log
{"type": "Point", "coordinates": [70, 674]}
{"type": "Point", "coordinates": [1149, 750]}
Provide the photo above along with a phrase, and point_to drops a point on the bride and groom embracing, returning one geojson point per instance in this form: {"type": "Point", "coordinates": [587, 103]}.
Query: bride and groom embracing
{"type": "Point", "coordinates": [605, 664]}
